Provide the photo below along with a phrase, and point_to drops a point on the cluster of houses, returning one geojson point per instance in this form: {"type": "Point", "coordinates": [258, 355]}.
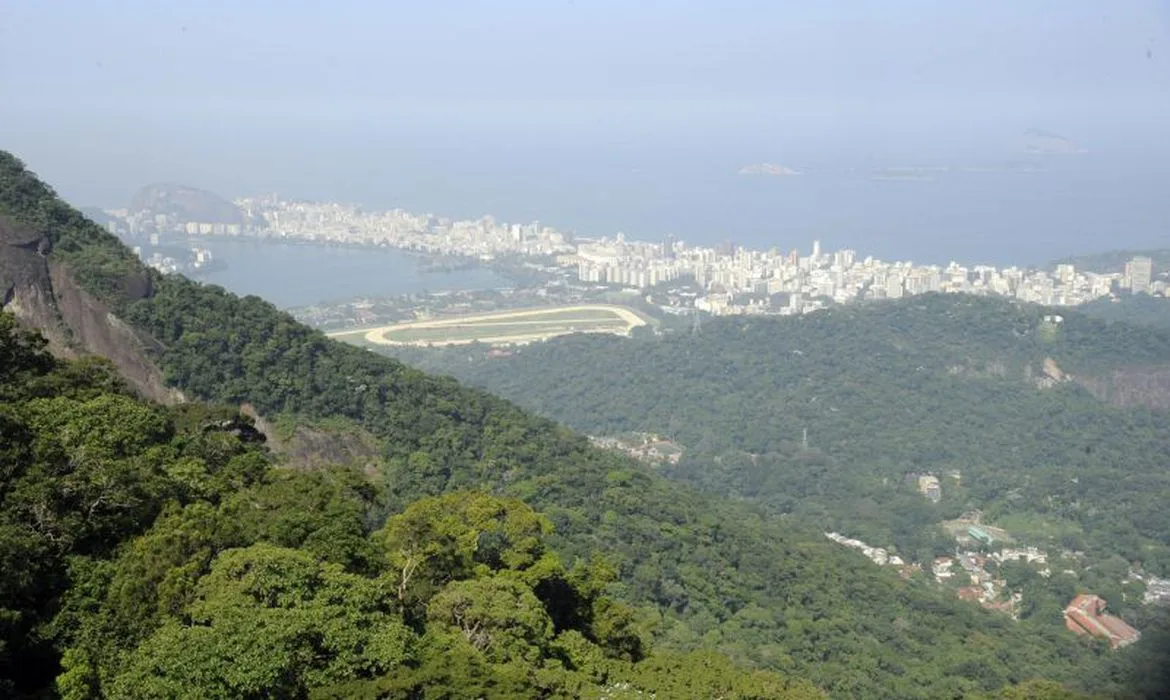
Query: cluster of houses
{"type": "Point", "coordinates": [877, 555]}
{"type": "Point", "coordinates": [646, 447]}
{"type": "Point", "coordinates": [1085, 614]}
{"type": "Point", "coordinates": [1157, 591]}
{"type": "Point", "coordinates": [982, 588]}
{"type": "Point", "coordinates": [967, 575]}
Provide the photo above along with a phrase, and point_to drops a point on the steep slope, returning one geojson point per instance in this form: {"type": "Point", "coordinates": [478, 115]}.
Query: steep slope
{"type": "Point", "coordinates": [151, 552]}
{"type": "Point", "coordinates": [1041, 418]}
{"type": "Point", "coordinates": [41, 291]}
{"type": "Point", "coordinates": [706, 573]}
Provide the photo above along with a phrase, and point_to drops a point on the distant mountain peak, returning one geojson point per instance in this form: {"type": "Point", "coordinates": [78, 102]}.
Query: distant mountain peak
{"type": "Point", "coordinates": [185, 203]}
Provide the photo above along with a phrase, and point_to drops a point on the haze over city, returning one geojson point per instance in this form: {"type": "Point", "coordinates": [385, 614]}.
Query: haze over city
{"type": "Point", "coordinates": [599, 117]}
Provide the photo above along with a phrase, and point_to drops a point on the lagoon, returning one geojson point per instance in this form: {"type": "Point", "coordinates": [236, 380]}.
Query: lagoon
{"type": "Point", "coordinates": [291, 275]}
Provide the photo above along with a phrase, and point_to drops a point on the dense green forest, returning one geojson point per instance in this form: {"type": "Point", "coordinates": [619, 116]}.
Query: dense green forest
{"type": "Point", "coordinates": [148, 552]}
{"type": "Point", "coordinates": [210, 553]}
{"type": "Point", "coordinates": [931, 384]}
{"type": "Point", "coordinates": [1137, 309]}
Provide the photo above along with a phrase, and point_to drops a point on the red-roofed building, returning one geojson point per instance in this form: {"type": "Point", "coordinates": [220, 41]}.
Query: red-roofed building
{"type": "Point", "coordinates": [1086, 615]}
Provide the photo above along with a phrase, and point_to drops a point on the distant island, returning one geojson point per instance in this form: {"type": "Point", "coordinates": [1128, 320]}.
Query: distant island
{"type": "Point", "coordinates": [928, 173]}
{"type": "Point", "coordinates": [1013, 166]}
{"type": "Point", "coordinates": [768, 169]}
{"type": "Point", "coordinates": [911, 174]}
{"type": "Point", "coordinates": [1046, 143]}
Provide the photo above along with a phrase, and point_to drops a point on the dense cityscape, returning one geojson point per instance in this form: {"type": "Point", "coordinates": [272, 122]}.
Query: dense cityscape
{"type": "Point", "coordinates": [733, 279]}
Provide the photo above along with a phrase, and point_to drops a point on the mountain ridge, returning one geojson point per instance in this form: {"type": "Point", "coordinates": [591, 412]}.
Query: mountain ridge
{"type": "Point", "coordinates": [185, 203]}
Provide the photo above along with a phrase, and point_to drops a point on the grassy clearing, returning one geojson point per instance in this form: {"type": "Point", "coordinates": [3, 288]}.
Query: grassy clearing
{"type": "Point", "coordinates": [1036, 527]}
{"type": "Point", "coordinates": [470, 333]}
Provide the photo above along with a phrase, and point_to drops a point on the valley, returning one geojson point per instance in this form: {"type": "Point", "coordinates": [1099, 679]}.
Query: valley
{"type": "Point", "coordinates": [943, 428]}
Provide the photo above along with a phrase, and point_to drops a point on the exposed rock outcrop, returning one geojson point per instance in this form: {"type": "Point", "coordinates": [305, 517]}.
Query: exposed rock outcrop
{"type": "Point", "coordinates": [1147, 387]}
{"type": "Point", "coordinates": [306, 447]}
{"type": "Point", "coordinates": [42, 294]}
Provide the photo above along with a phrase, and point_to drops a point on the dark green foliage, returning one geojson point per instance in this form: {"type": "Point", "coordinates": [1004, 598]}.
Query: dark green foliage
{"type": "Point", "coordinates": [930, 384]}
{"type": "Point", "coordinates": [154, 553]}
{"type": "Point", "coordinates": [1139, 309]}
{"type": "Point", "coordinates": [703, 573]}
{"type": "Point", "coordinates": [101, 264]}
{"type": "Point", "coordinates": [83, 466]}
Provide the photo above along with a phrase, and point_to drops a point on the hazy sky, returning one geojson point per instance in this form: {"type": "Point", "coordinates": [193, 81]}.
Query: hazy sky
{"type": "Point", "coordinates": [103, 96]}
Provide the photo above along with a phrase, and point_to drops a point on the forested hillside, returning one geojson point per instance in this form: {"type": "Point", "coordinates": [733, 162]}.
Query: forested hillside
{"type": "Point", "coordinates": [148, 552]}
{"type": "Point", "coordinates": [205, 568]}
{"type": "Point", "coordinates": [1138, 309]}
{"type": "Point", "coordinates": [983, 387]}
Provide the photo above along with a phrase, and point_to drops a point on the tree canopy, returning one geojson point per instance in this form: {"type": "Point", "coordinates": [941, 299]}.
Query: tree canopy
{"type": "Point", "coordinates": [497, 554]}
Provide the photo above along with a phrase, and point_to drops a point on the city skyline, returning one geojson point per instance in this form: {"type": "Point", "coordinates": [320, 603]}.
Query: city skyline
{"type": "Point", "coordinates": [734, 279]}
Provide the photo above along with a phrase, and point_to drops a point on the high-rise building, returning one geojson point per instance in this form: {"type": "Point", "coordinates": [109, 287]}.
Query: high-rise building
{"type": "Point", "coordinates": [816, 251]}
{"type": "Point", "coordinates": [894, 287]}
{"type": "Point", "coordinates": [668, 246]}
{"type": "Point", "coordinates": [1140, 272]}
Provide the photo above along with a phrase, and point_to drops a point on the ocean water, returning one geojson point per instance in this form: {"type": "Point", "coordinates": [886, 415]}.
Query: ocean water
{"type": "Point", "coordinates": [684, 181]}
{"type": "Point", "coordinates": [687, 185]}
{"type": "Point", "coordinates": [974, 210]}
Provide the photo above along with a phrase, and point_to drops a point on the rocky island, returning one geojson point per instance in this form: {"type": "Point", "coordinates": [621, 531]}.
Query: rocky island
{"type": "Point", "coordinates": [768, 169]}
{"type": "Point", "coordinates": [1047, 143]}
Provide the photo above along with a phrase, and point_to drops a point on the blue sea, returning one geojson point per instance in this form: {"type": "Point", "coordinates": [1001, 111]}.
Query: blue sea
{"type": "Point", "coordinates": [1115, 195]}
{"type": "Point", "coordinates": [986, 202]}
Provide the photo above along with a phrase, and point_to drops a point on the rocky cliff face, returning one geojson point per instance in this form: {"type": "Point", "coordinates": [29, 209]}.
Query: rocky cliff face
{"type": "Point", "coordinates": [42, 294]}
{"type": "Point", "coordinates": [1147, 387]}
{"type": "Point", "coordinates": [25, 287]}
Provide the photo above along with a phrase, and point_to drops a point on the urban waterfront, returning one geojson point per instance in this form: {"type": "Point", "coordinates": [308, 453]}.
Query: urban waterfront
{"type": "Point", "coordinates": [299, 253]}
